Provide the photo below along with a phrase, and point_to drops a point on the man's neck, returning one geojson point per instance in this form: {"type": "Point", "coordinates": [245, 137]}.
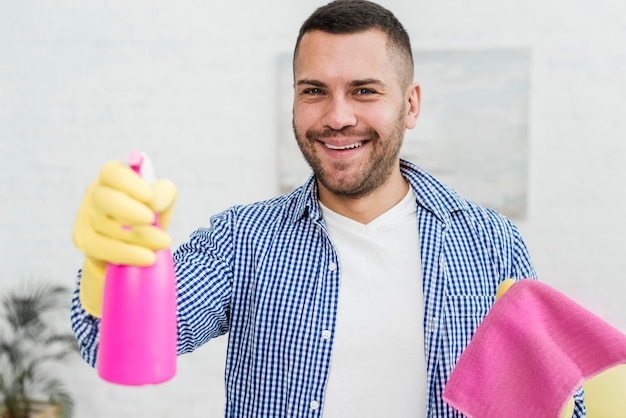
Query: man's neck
{"type": "Point", "coordinates": [365, 209]}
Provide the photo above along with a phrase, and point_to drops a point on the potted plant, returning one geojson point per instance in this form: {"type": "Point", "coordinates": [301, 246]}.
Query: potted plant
{"type": "Point", "coordinates": [29, 344]}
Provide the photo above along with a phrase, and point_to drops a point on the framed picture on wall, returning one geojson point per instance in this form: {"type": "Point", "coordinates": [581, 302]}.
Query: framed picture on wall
{"type": "Point", "coordinates": [472, 132]}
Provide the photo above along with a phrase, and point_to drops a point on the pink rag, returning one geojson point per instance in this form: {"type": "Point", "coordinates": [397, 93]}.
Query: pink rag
{"type": "Point", "coordinates": [531, 353]}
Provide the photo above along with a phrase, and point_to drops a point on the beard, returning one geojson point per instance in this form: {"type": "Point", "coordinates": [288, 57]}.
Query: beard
{"type": "Point", "coordinates": [358, 178]}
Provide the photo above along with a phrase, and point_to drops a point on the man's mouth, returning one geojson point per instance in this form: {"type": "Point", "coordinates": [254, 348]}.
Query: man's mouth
{"type": "Point", "coordinates": [344, 147]}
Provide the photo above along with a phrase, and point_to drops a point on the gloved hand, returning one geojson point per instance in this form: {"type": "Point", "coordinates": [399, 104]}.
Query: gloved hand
{"type": "Point", "coordinates": [114, 225]}
{"type": "Point", "coordinates": [505, 285]}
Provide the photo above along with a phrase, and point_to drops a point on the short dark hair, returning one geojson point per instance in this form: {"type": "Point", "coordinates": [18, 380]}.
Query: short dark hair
{"type": "Point", "coordinates": [353, 16]}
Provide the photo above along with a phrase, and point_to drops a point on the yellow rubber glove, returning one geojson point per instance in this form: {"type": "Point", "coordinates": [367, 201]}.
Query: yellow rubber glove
{"type": "Point", "coordinates": [505, 285]}
{"type": "Point", "coordinates": [114, 225]}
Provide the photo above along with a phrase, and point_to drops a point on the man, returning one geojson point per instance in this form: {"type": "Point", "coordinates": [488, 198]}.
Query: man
{"type": "Point", "coordinates": [352, 296]}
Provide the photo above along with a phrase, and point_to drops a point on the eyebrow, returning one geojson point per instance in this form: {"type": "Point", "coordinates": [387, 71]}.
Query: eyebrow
{"type": "Point", "coordinates": [315, 83]}
{"type": "Point", "coordinates": [366, 82]}
{"type": "Point", "coordinates": [353, 83]}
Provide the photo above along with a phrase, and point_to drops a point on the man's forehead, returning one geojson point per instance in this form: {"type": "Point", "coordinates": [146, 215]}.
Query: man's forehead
{"type": "Point", "coordinates": [331, 48]}
{"type": "Point", "coordinates": [370, 36]}
{"type": "Point", "coordinates": [352, 57]}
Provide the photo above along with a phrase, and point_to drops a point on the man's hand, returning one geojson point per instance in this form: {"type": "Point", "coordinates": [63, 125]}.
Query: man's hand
{"type": "Point", "coordinates": [115, 225]}
{"type": "Point", "coordinates": [505, 285]}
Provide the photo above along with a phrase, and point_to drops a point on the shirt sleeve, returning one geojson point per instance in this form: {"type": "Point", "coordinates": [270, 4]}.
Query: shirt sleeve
{"type": "Point", "coordinates": [204, 279]}
{"type": "Point", "coordinates": [509, 251]}
{"type": "Point", "coordinates": [580, 410]}
{"type": "Point", "coordinates": [522, 266]}
{"type": "Point", "coordinates": [204, 275]}
{"type": "Point", "coordinates": [85, 327]}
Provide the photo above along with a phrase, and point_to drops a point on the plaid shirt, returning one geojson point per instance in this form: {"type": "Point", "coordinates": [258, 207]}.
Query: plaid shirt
{"type": "Point", "coordinates": [267, 274]}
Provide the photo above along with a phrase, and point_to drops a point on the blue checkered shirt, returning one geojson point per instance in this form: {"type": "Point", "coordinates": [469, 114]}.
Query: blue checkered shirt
{"type": "Point", "coordinates": [267, 274]}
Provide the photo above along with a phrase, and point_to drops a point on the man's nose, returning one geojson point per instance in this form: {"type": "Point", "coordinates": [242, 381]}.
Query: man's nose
{"type": "Point", "coordinates": [339, 114]}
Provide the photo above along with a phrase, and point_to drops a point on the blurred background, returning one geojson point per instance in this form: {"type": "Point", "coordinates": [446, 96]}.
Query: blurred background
{"type": "Point", "coordinates": [198, 86]}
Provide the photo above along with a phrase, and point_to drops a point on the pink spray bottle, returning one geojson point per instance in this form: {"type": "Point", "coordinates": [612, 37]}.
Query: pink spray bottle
{"type": "Point", "coordinates": [138, 330]}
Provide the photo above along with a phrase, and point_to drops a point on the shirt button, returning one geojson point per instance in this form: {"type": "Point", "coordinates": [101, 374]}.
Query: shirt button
{"type": "Point", "coordinates": [315, 405]}
{"type": "Point", "coordinates": [332, 266]}
{"type": "Point", "coordinates": [326, 334]}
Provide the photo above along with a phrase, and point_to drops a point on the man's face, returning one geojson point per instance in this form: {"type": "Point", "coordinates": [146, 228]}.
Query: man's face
{"type": "Point", "coordinates": [350, 110]}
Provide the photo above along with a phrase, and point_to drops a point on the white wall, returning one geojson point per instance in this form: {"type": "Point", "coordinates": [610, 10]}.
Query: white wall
{"type": "Point", "coordinates": [193, 84]}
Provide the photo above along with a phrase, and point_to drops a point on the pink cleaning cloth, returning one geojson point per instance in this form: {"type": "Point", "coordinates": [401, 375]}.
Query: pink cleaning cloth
{"type": "Point", "coordinates": [531, 353]}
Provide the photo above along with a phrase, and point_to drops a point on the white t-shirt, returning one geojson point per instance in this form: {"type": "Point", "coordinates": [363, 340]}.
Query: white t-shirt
{"type": "Point", "coordinates": [378, 366]}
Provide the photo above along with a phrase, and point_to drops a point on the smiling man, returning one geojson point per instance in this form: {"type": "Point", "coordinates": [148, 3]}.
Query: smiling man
{"type": "Point", "coordinates": [355, 294]}
{"type": "Point", "coordinates": [352, 105]}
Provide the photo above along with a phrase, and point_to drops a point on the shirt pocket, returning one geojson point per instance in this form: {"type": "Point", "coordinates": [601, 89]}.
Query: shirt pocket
{"type": "Point", "coordinates": [464, 313]}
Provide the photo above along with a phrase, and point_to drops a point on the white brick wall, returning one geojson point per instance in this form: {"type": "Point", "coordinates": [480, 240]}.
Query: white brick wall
{"type": "Point", "coordinates": [193, 84]}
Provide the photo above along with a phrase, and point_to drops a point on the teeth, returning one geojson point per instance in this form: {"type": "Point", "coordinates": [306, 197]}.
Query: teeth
{"type": "Point", "coordinates": [351, 146]}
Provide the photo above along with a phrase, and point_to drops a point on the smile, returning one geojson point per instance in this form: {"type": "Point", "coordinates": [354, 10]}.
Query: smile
{"type": "Point", "coordinates": [351, 146]}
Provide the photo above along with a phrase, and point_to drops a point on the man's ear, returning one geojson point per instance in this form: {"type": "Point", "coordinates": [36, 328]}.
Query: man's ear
{"type": "Point", "coordinates": [414, 101]}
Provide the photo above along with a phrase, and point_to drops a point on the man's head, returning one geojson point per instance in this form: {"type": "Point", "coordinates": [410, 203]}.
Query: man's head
{"type": "Point", "coordinates": [353, 99]}
{"type": "Point", "coordinates": [353, 16]}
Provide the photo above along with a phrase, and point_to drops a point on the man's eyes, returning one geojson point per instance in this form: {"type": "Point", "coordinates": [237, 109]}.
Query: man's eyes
{"type": "Point", "coordinates": [364, 91]}
{"type": "Point", "coordinates": [313, 91]}
{"type": "Point", "coordinates": [361, 91]}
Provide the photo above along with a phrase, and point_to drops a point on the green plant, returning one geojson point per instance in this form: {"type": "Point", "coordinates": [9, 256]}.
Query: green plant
{"type": "Point", "coordinates": [29, 345]}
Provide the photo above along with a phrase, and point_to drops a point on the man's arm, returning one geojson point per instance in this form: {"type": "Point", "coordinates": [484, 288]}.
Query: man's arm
{"type": "Point", "coordinates": [85, 327]}
{"type": "Point", "coordinates": [115, 225]}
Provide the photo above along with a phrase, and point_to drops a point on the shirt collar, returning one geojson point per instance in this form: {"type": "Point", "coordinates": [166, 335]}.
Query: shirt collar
{"type": "Point", "coordinates": [307, 204]}
{"type": "Point", "coordinates": [430, 193]}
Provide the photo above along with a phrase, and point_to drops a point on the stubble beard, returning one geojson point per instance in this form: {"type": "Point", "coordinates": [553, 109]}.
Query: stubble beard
{"type": "Point", "coordinates": [371, 175]}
